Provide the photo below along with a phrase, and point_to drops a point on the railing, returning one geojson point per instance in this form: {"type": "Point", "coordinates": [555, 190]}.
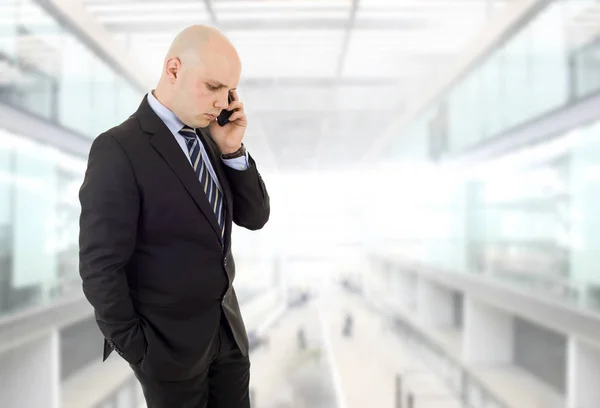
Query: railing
{"type": "Point", "coordinates": [471, 392]}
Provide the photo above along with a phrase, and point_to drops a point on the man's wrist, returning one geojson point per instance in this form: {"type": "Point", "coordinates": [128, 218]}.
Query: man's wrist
{"type": "Point", "coordinates": [240, 152]}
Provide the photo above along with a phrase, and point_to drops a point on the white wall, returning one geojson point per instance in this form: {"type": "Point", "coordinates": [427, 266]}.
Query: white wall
{"type": "Point", "coordinates": [29, 375]}
{"type": "Point", "coordinates": [435, 304]}
{"type": "Point", "coordinates": [583, 390]}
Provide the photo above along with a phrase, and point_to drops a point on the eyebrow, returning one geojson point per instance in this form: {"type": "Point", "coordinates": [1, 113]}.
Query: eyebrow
{"type": "Point", "coordinates": [220, 85]}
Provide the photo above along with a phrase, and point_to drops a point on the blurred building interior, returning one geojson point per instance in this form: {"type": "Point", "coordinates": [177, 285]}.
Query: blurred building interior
{"type": "Point", "coordinates": [455, 146]}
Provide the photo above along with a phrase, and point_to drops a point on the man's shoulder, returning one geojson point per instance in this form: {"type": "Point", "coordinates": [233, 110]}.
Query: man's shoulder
{"type": "Point", "coordinates": [128, 127]}
{"type": "Point", "coordinates": [126, 133]}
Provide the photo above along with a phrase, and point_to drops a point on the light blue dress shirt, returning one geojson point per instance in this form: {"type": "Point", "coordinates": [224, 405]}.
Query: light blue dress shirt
{"type": "Point", "coordinates": [175, 125]}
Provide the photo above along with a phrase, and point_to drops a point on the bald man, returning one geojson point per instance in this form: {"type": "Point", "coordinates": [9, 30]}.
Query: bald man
{"type": "Point", "coordinates": [160, 194]}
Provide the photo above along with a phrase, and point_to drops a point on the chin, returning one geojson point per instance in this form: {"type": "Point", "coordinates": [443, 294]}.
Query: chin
{"type": "Point", "coordinates": [202, 123]}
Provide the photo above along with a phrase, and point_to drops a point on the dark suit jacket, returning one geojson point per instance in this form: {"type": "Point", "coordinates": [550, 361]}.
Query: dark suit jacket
{"type": "Point", "coordinates": [151, 260]}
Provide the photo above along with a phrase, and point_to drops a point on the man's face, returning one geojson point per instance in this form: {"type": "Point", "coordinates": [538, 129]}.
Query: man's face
{"type": "Point", "coordinates": [201, 90]}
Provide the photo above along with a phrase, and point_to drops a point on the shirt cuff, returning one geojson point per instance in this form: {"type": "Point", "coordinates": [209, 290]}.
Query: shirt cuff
{"type": "Point", "coordinates": [239, 163]}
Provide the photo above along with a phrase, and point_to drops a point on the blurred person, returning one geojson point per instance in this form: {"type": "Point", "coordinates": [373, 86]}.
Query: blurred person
{"type": "Point", "coordinates": [160, 193]}
{"type": "Point", "coordinates": [348, 325]}
{"type": "Point", "coordinates": [301, 338]}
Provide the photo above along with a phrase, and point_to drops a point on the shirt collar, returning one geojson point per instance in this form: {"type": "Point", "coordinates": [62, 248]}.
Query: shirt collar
{"type": "Point", "coordinates": [168, 117]}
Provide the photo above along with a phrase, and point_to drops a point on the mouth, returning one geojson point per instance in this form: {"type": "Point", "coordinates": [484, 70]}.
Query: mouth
{"type": "Point", "coordinates": [211, 117]}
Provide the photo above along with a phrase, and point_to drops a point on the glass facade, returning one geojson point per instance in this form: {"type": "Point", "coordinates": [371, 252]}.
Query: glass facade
{"type": "Point", "coordinates": [48, 71]}
{"type": "Point", "coordinates": [536, 225]}
{"type": "Point", "coordinates": [549, 63]}
{"type": "Point", "coordinates": [530, 221]}
{"type": "Point", "coordinates": [586, 63]}
{"type": "Point", "coordinates": [523, 226]}
{"type": "Point", "coordinates": [39, 216]}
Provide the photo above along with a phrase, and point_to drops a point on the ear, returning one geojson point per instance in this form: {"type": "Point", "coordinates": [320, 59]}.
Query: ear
{"type": "Point", "coordinates": [172, 68]}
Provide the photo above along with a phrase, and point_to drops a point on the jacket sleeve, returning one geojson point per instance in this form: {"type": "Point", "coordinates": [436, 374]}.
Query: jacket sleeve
{"type": "Point", "coordinates": [251, 202]}
{"type": "Point", "coordinates": [108, 225]}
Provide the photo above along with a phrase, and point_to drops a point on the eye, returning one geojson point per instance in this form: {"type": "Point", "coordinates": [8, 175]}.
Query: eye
{"type": "Point", "coordinates": [212, 88]}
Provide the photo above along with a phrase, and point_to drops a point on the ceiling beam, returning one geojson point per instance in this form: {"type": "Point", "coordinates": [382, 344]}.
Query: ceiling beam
{"type": "Point", "coordinates": [268, 24]}
{"type": "Point", "coordinates": [323, 82]}
{"type": "Point", "coordinates": [346, 41]}
{"type": "Point", "coordinates": [338, 73]}
{"type": "Point", "coordinates": [317, 111]}
{"type": "Point", "coordinates": [211, 12]}
{"type": "Point", "coordinates": [96, 37]}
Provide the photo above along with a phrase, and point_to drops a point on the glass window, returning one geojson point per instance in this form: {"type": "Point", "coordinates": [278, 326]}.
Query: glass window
{"type": "Point", "coordinates": [6, 186]}
{"type": "Point", "coordinates": [456, 122]}
{"type": "Point", "coordinates": [549, 79]}
{"type": "Point", "coordinates": [475, 103]}
{"type": "Point", "coordinates": [583, 43]}
{"type": "Point", "coordinates": [491, 101]}
{"type": "Point", "coordinates": [47, 70]}
{"type": "Point", "coordinates": [37, 53]}
{"type": "Point", "coordinates": [70, 173]}
{"type": "Point", "coordinates": [516, 76]}
{"type": "Point", "coordinates": [37, 226]}
{"type": "Point", "coordinates": [9, 72]}
{"type": "Point", "coordinates": [74, 95]}
{"type": "Point", "coordinates": [34, 260]}
{"type": "Point", "coordinates": [464, 113]}
{"type": "Point", "coordinates": [584, 235]}
{"type": "Point", "coordinates": [39, 39]}
{"type": "Point", "coordinates": [8, 28]}
{"type": "Point", "coordinates": [34, 92]}
{"type": "Point", "coordinates": [525, 77]}
{"type": "Point", "coordinates": [521, 219]}
{"type": "Point", "coordinates": [128, 99]}
{"type": "Point", "coordinates": [587, 69]}
{"type": "Point", "coordinates": [537, 226]}
{"type": "Point", "coordinates": [103, 97]}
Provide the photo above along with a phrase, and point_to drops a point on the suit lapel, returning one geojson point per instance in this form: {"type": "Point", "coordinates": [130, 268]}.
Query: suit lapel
{"type": "Point", "coordinates": [165, 144]}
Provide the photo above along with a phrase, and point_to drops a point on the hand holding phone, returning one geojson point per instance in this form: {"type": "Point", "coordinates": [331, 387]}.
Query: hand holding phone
{"type": "Point", "coordinates": [223, 117]}
{"type": "Point", "coordinates": [230, 126]}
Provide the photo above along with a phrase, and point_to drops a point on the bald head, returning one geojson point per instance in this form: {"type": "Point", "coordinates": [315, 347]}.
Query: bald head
{"type": "Point", "coordinates": [200, 68]}
{"type": "Point", "coordinates": [194, 41]}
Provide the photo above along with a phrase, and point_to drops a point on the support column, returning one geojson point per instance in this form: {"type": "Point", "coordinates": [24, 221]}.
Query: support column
{"type": "Point", "coordinates": [488, 334]}
{"type": "Point", "coordinates": [583, 374]}
{"type": "Point", "coordinates": [406, 290]}
{"type": "Point", "coordinates": [434, 304]}
{"type": "Point", "coordinates": [29, 375]}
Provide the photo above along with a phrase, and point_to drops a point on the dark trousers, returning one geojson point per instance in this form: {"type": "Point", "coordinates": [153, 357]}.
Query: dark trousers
{"type": "Point", "coordinates": [223, 384]}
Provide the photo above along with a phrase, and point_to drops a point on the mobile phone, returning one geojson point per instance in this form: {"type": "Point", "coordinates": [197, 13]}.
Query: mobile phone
{"type": "Point", "coordinates": [223, 117]}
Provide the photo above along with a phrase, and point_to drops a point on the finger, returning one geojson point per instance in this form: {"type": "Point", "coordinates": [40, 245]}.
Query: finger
{"type": "Point", "coordinates": [236, 105]}
{"type": "Point", "coordinates": [237, 115]}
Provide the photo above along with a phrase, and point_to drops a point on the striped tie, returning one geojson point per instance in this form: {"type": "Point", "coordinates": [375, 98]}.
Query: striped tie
{"type": "Point", "coordinates": [215, 197]}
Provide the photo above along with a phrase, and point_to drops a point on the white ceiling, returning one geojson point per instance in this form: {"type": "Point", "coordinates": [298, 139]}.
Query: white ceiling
{"type": "Point", "coordinates": [329, 62]}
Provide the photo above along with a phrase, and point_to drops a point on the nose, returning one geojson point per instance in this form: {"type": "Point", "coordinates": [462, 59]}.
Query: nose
{"type": "Point", "coordinates": [222, 101]}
